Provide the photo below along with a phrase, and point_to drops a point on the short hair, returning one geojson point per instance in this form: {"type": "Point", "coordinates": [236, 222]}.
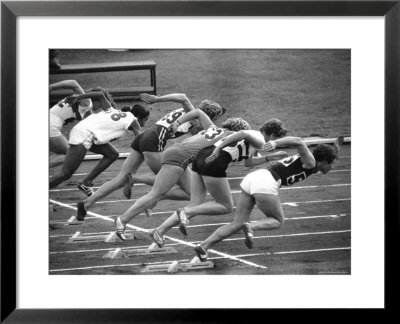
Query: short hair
{"type": "Point", "coordinates": [106, 94]}
{"type": "Point", "coordinates": [211, 109]}
{"type": "Point", "coordinates": [235, 124]}
{"type": "Point", "coordinates": [324, 152]}
{"type": "Point", "coordinates": [139, 111]}
{"type": "Point", "coordinates": [274, 127]}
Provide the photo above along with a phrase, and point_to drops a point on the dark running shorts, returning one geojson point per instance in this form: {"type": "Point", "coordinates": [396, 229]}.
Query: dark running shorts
{"type": "Point", "coordinates": [216, 168]}
{"type": "Point", "coordinates": [151, 140]}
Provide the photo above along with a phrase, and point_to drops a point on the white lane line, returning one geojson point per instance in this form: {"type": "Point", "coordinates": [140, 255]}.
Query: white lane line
{"type": "Point", "coordinates": [294, 252]}
{"type": "Point", "coordinates": [196, 242]}
{"type": "Point", "coordinates": [237, 178]}
{"type": "Point", "coordinates": [290, 235]}
{"type": "Point", "coordinates": [221, 224]}
{"type": "Point", "coordinates": [105, 249]}
{"type": "Point", "coordinates": [168, 237]}
{"type": "Point", "coordinates": [232, 191]}
{"type": "Point", "coordinates": [142, 184]}
{"type": "Point", "coordinates": [214, 258]}
{"type": "Point", "coordinates": [284, 204]}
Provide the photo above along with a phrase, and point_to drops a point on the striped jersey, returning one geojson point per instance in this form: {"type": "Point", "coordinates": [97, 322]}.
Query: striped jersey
{"type": "Point", "coordinates": [170, 118]}
{"type": "Point", "coordinates": [241, 150]}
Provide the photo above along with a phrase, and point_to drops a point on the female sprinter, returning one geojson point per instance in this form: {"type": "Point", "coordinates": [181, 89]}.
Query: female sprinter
{"type": "Point", "coordinates": [148, 147]}
{"type": "Point", "coordinates": [209, 173]}
{"type": "Point", "coordinates": [261, 188]}
{"type": "Point", "coordinates": [174, 164]}
{"type": "Point", "coordinates": [61, 114]}
{"type": "Point", "coordinates": [94, 134]}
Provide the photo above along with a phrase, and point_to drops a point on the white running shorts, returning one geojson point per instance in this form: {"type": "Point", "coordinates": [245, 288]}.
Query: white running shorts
{"type": "Point", "coordinates": [81, 135]}
{"type": "Point", "coordinates": [55, 124]}
{"type": "Point", "coordinates": [260, 181]}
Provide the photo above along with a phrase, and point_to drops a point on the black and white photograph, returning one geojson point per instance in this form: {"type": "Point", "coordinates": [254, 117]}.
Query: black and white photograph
{"type": "Point", "coordinates": [161, 159]}
{"type": "Point", "coordinates": [200, 161]}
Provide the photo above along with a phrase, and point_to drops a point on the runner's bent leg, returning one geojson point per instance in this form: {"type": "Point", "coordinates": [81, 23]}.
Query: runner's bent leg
{"type": "Point", "coordinates": [220, 190]}
{"type": "Point", "coordinates": [244, 207]}
{"type": "Point", "coordinates": [110, 154]}
{"type": "Point", "coordinates": [73, 159]}
{"type": "Point", "coordinates": [198, 190]}
{"type": "Point", "coordinates": [166, 178]}
{"type": "Point", "coordinates": [271, 206]}
{"type": "Point", "coordinates": [58, 146]}
{"type": "Point", "coordinates": [130, 165]}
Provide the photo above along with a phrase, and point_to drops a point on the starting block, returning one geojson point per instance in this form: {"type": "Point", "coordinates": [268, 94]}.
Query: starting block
{"type": "Point", "coordinates": [90, 238]}
{"type": "Point", "coordinates": [70, 222]}
{"type": "Point", "coordinates": [176, 266]}
{"type": "Point", "coordinates": [120, 253]}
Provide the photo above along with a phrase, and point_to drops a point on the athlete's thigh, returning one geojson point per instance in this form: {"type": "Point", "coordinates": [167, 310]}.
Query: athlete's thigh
{"type": "Point", "coordinates": [104, 149]}
{"type": "Point", "coordinates": [244, 207]}
{"type": "Point", "coordinates": [185, 180]}
{"type": "Point", "coordinates": [58, 144]}
{"type": "Point", "coordinates": [166, 178]}
{"type": "Point", "coordinates": [153, 160]}
{"type": "Point", "coordinates": [74, 157]}
{"type": "Point", "coordinates": [132, 162]}
{"type": "Point", "coordinates": [219, 189]}
{"type": "Point", "coordinates": [198, 189]}
{"type": "Point", "coordinates": [270, 205]}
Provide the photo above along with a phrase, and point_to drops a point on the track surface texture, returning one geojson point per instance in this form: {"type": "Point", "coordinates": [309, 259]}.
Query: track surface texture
{"type": "Point", "coordinates": [315, 238]}
{"type": "Point", "coordinates": [309, 90]}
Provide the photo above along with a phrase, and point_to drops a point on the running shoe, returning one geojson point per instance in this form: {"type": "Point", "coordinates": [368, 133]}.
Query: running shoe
{"type": "Point", "coordinates": [80, 216]}
{"type": "Point", "coordinates": [85, 189]}
{"type": "Point", "coordinates": [120, 229]}
{"type": "Point", "coordinates": [127, 190]}
{"type": "Point", "coordinates": [249, 235]}
{"type": "Point", "coordinates": [157, 238]}
{"type": "Point", "coordinates": [201, 253]}
{"type": "Point", "coordinates": [183, 221]}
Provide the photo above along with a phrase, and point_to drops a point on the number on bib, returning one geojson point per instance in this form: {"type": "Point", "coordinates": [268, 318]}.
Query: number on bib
{"type": "Point", "coordinates": [212, 133]}
{"type": "Point", "coordinates": [168, 119]}
{"type": "Point", "coordinates": [295, 178]}
{"type": "Point", "coordinates": [118, 116]}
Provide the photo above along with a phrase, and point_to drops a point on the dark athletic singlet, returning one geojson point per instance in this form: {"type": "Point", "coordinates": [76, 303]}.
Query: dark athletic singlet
{"type": "Point", "coordinates": [290, 170]}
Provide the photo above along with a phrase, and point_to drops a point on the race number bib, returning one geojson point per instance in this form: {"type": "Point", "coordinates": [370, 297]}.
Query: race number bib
{"type": "Point", "coordinates": [168, 119]}
{"type": "Point", "coordinates": [296, 178]}
{"type": "Point", "coordinates": [211, 133]}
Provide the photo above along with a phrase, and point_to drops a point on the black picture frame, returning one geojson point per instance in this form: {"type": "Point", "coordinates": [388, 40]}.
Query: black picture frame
{"type": "Point", "coordinates": [10, 10]}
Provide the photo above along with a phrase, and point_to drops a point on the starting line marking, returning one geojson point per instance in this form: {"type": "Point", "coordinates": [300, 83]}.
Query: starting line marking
{"type": "Point", "coordinates": [168, 237]}
{"type": "Point", "coordinates": [221, 224]}
{"type": "Point", "coordinates": [139, 248]}
{"type": "Point", "coordinates": [214, 258]}
{"type": "Point", "coordinates": [232, 191]}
